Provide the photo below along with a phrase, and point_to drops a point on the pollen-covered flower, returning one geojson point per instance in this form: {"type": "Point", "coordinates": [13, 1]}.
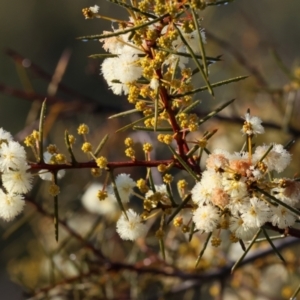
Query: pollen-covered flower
{"type": "Point", "coordinates": [132, 228]}
{"type": "Point", "coordinates": [202, 191]}
{"type": "Point", "coordinates": [92, 204]}
{"type": "Point", "coordinates": [256, 213]}
{"type": "Point", "coordinates": [17, 181]}
{"type": "Point", "coordinates": [282, 217]}
{"type": "Point", "coordinates": [287, 191]}
{"type": "Point", "coordinates": [206, 217]}
{"type": "Point", "coordinates": [218, 160]}
{"type": "Point", "coordinates": [252, 125]}
{"type": "Point", "coordinates": [12, 156]}
{"type": "Point", "coordinates": [5, 136]}
{"type": "Point", "coordinates": [10, 205]}
{"type": "Point", "coordinates": [277, 159]}
{"type": "Point", "coordinates": [125, 185]}
{"type": "Point", "coordinates": [124, 68]}
{"type": "Point", "coordinates": [240, 230]}
{"type": "Point", "coordinates": [94, 9]}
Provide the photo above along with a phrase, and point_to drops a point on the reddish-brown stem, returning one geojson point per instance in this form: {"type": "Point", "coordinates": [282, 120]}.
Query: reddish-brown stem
{"type": "Point", "coordinates": [110, 165]}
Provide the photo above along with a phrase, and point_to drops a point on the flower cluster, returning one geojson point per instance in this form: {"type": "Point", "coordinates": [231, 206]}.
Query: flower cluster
{"type": "Point", "coordinates": [239, 192]}
{"type": "Point", "coordinates": [16, 178]}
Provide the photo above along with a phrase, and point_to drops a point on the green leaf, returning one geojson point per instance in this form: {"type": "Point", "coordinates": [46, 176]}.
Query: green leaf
{"type": "Point", "coordinates": [184, 164]}
{"type": "Point", "coordinates": [203, 249]}
{"type": "Point", "coordinates": [69, 147]}
{"type": "Point", "coordinates": [204, 88]}
{"type": "Point", "coordinates": [117, 33]}
{"type": "Point", "coordinates": [135, 122]}
{"type": "Point", "coordinates": [101, 145]}
{"type": "Point", "coordinates": [201, 43]}
{"type": "Point", "coordinates": [246, 251]}
{"type": "Point", "coordinates": [272, 245]}
{"type": "Point", "coordinates": [113, 183]}
{"type": "Point", "coordinates": [214, 112]}
{"type": "Point", "coordinates": [222, 2]}
{"type": "Point", "coordinates": [191, 106]}
{"type": "Point", "coordinates": [41, 132]}
{"type": "Point", "coordinates": [132, 8]}
{"type": "Point", "coordinates": [184, 54]}
{"type": "Point", "coordinates": [179, 208]}
{"type": "Point", "coordinates": [104, 55]}
{"type": "Point", "coordinates": [124, 113]}
{"type": "Point", "coordinates": [195, 60]}
{"type": "Point", "coordinates": [162, 129]}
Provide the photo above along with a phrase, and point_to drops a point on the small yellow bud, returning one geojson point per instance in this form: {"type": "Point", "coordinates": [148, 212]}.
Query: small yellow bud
{"type": "Point", "coordinates": [101, 162]}
{"type": "Point", "coordinates": [29, 141]}
{"type": "Point", "coordinates": [161, 168]}
{"type": "Point", "coordinates": [60, 158]}
{"type": "Point", "coordinates": [233, 238]}
{"type": "Point", "coordinates": [215, 241]}
{"type": "Point", "coordinates": [54, 190]}
{"type": "Point", "coordinates": [147, 147]}
{"type": "Point", "coordinates": [36, 135]}
{"type": "Point", "coordinates": [52, 149]}
{"type": "Point", "coordinates": [128, 142]}
{"type": "Point", "coordinates": [72, 139]}
{"type": "Point", "coordinates": [83, 129]}
{"type": "Point", "coordinates": [86, 147]}
{"type": "Point", "coordinates": [224, 224]}
{"type": "Point", "coordinates": [159, 233]}
{"type": "Point", "coordinates": [182, 184]}
{"type": "Point", "coordinates": [142, 185]}
{"type": "Point", "coordinates": [148, 205]}
{"type": "Point", "coordinates": [168, 178]}
{"type": "Point", "coordinates": [96, 172]}
{"type": "Point", "coordinates": [185, 228]}
{"type": "Point", "coordinates": [140, 105]}
{"type": "Point", "coordinates": [102, 195]}
{"type": "Point", "coordinates": [160, 138]}
{"type": "Point", "coordinates": [144, 215]}
{"type": "Point", "coordinates": [130, 152]}
{"type": "Point", "coordinates": [177, 222]}
{"type": "Point", "coordinates": [168, 138]}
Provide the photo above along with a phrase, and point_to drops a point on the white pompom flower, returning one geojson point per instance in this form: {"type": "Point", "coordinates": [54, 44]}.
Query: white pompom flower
{"type": "Point", "coordinates": [11, 205]}
{"type": "Point", "coordinates": [125, 185]}
{"type": "Point", "coordinates": [12, 156]}
{"type": "Point", "coordinates": [124, 68]}
{"type": "Point", "coordinates": [5, 136]}
{"type": "Point", "coordinates": [206, 217]}
{"type": "Point", "coordinates": [252, 125]}
{"type": "Point", "coordinates": [92, 204]}
{"type": "Point", "coordinates": [277, 159]}
{"type": "Point", "coordinates": [131, 229]}
{"type": "Point", "coordinates": [240, 230]}
{"type": "Point", "coordinates": [282, 217]}
{"type": "Point", "coordinates": [94, 9]}
{"type": "Point", "coordinates": [256, 213]}
{"type": "Point", "coordinates": [17, 181]}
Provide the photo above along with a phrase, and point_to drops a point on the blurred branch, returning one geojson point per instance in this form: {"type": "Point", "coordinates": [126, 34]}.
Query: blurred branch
{"type": "Point", "coordinates": [168, 270]}
{"type": "Point", "coordinates": [239, 58]}
{"type": "Point", "coordinates": [18, 58]}
{"type": "Point", "coordinates": [72, 232]}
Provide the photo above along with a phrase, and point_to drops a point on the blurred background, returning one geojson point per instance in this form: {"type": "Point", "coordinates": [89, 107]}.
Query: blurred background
{"type": "Point", "coordinates": [36, 35]}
